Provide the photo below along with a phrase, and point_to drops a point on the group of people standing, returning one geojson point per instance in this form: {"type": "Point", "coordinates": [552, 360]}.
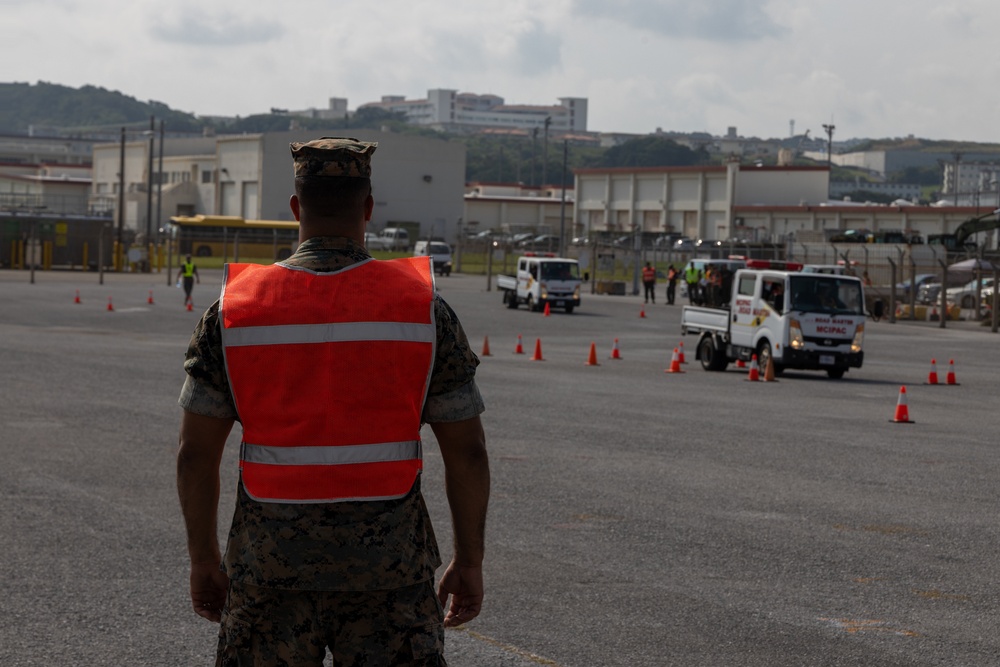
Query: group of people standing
{"type": "Point", "coordinates": [649, 283]}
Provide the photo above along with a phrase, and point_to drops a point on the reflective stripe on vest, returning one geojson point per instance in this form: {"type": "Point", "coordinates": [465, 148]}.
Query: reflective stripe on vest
{"type": "Point", "coordinates": [329, 372]}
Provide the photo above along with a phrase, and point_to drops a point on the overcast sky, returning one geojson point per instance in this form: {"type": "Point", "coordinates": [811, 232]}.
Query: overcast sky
{"type": "Point", "coordinates": [874, 68]}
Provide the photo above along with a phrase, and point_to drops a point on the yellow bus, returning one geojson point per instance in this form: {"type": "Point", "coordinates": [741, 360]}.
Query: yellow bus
{"type": "Point", "coordinates": [234, 238]}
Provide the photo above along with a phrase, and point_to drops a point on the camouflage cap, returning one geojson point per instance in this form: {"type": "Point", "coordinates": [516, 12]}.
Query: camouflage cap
{"type": "Point", "coordinates": [333, 156]}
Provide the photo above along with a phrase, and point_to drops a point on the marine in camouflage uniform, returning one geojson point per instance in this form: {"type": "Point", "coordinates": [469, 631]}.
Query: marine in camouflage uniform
{"type": "Point", "coordinates": [352, 577]}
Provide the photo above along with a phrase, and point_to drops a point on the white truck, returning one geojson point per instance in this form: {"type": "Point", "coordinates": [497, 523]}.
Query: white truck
{"type": "Point", "coordinates": [795, 319]}
{"type": "Point", "coordinates": [542, 278]}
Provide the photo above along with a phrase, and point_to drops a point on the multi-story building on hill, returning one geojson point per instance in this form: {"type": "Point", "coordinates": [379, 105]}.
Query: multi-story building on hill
{"type": "Point", "coordinates": [463, 112]}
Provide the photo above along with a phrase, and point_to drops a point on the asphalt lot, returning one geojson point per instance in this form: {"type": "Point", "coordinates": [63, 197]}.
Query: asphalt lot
{"type": "Point", "coordinates": [638, 518]}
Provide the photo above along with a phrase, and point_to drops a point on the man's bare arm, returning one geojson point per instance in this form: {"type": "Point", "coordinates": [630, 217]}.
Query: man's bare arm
{"type": "Point", "coordinates": [202, 440]}
{"type": "Point", "coordinates": [467, 482]}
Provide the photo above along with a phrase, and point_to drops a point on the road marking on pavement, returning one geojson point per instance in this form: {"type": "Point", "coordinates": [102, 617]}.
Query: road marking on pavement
{"type": "Point", "coordinates": [935, 594]}
{"type": "Point", "coordinates": [537, 659]}
{"type": "Point", "coordinates": [854, 626]}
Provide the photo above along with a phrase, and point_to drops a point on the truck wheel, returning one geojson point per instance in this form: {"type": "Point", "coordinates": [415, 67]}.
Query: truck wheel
{"type": "Point", "coordinates": [763, 355]}
{"type": "Point", "coordinates": [510, 299]}
{"type": "Point", "coordinates": [835, 373]}
{"type": "Point", "coordinates": [711, 358]}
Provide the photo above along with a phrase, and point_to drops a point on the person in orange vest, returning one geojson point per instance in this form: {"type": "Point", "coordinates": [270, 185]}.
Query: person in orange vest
{"type": "Point", "coordinates": [332, 361]}
{"type": "Point", "coordinates": [649, 282]}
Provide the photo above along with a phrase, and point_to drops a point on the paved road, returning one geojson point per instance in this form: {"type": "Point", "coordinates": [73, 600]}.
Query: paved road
{"type": "Point", "coordinates": [638, 517]}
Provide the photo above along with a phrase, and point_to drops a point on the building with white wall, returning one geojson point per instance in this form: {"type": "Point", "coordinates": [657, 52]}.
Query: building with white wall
{"type": "Point", "coordinates": [417, 181]}
{"type": "Point", "coordinates": [513, 208]}
{"type": "Point", "coordinates": [749, 203]}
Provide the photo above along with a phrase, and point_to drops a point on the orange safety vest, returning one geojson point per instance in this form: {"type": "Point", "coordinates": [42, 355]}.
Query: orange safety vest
{"type": "Point", "coordinates": [329, 373]}
{"type": "Point", "coordinates": [648, 274]}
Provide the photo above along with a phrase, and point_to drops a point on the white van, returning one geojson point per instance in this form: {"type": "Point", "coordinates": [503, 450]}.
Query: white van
{"type": "Point", "coordinates": [440, 253]}
{"type": "Point", "coordinates": [394, 238]}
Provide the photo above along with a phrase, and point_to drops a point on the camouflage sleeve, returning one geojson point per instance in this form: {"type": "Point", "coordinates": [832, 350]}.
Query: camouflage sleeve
{"type": "Point", "coordinates": [206, 388]}
{"type": "Point", "coordinates": [455, 362]}
{"type": "Point", "coordinates": [453, 394]}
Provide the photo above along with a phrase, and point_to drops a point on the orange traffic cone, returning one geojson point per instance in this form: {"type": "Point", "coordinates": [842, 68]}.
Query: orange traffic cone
{"type": "Point", "coordinates": [754, 374]}
{"type": "Point", "coordinates": [110, 307]}
{"type": "Point", "coordinates": [675, 364]}
{"type": "Point", "coordinates": [680, 356]}
{"type": "Point", "coordinates": [537, 356]}
{"type": "Point", "coordinates": [486, 347]}
{"type": "Point", "coordinates": [548, 309]}
{"type": "Point", "coordinates": [77, 298]}
{"type": "Point", "coordinates": [642, 312]}
{"type": "Point", "coordinates": [615, 353]}
{"type": "Point", "coordinates": [150, 299]}
{"type": "Point", "coordinates": [592, 359]}
{"type": "Point", "coordinates": [769, 371]}
{"type": "Point", "coordinates": [740, 363]}
{"type": "Point", "coordinates": [520, 348]}
{"type": "Point", "coordinates": [902, 412]}
{"type": "Point", "coordinates": [950, 378]}
{"type": "Point", "coordinates": [932, 377]}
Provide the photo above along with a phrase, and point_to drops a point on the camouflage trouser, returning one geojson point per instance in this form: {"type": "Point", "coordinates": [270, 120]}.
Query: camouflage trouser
{"type": "Point", "coordinates": [271, 627]}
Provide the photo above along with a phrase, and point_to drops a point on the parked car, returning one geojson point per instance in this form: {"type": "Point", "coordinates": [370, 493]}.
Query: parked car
{"type": "Point", "coordinates": [440, 253]}
{"type": "Point", "coordinates": [965, 295]}
{"type": "Point", "coordinates": [549, 242]}
{"type": "Point", "coordinates": [929, 293]}
{"type": "Point", "coordinates": [903, 288]}
{"type": "Point", "coordinates": [391, 238]}
{"type": "Point", "coordinates": [684, 244]}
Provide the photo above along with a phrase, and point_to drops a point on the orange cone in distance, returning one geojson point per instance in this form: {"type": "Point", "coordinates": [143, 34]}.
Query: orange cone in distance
{"type": "Point", "coordinates": [615, 353]}
{"type": "Point", "coordinates": [150, 299]}
{"type": "Point", "coordinates": [680, 355]}
{"type": "Point", "coordinates": [537, 356]}
{"type": "Point", "coordinates": [520, 348]}
{"type": "Point", "coordinates": [77, 298]}
{"type": "Point", "coordinates": [675, 364]}
{"type": "Point", "coordinates": [754, 374]}
{"type": "Point", "coordinates": [486, 347]}
{"type": "Point", "coordinates": [902, 411]}
{"type": "Point", "coordinates": [932, 377]}
{"type": "Point", "coordinates": [950, 378]}
{"type": "Point", "coordinates": [740, 363]}
{"type": "Point", "coordinates": [592, 359]}
{"type": "Point", "coordinates": [642, 312]}
{"type": "Point", "coordinates": [110, 307]}
{"type": "Point", "coordinates": [548, 309]}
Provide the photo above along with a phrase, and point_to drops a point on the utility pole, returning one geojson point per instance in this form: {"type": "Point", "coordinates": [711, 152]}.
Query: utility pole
{"type": "Point", "coordinates": [534, 153]}
{"type": "Point", "coordinates": [829, 128]}
{"type": "Point", "coordinates": [562, 203]}
{"type": "Point", "coordinates": [149, 191]}
{"type": "Point", "coordinates": [545, 150]}
{"type": "Point", "coordinates": [117, 255]}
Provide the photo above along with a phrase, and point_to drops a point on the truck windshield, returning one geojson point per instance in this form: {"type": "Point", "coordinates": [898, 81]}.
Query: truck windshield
{"type": "Point", "coordinates": [560, 271]}
{"type": "Point", "coordinates": [821, 293]}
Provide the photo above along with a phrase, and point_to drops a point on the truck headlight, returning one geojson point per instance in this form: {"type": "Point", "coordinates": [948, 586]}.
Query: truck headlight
{"type": "Point", "coordinates": [859, 338]}
{"type": "Point", "coordinates": [795, 339]}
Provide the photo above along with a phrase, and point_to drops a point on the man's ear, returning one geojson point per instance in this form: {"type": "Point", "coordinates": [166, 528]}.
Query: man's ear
{"type": "Point", "coordinates": [369, 207]}
{"type": "Point", "coordinates": [293, 203]}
